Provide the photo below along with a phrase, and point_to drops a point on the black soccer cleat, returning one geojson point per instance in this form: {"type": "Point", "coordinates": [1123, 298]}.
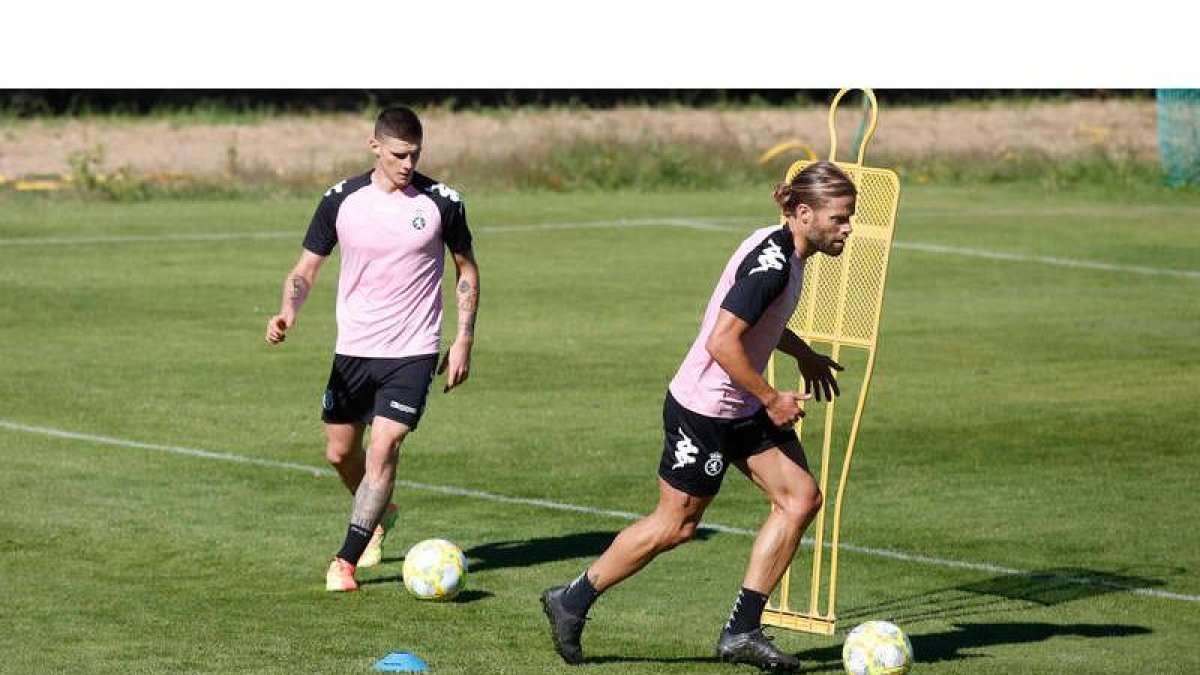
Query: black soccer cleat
{"type": "Point", "coordinates": [756, 649]}
{"type": "Point", "coordinates": [565, 627]}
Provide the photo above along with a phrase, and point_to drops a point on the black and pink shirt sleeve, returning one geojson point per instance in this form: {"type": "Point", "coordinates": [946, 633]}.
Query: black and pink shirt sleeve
{"type": "Point", "coordinates": [761, 277]}
{"type": "Point", "coordinates": [322, 233]}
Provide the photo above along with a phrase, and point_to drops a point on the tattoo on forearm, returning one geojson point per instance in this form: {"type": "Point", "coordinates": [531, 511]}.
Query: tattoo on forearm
{"type": "Point", "coordinates": [296, 291]}
{"type": "Point", "coordinates": [299, 288]}
{"type": "Point", "coordinates": [468, 305]}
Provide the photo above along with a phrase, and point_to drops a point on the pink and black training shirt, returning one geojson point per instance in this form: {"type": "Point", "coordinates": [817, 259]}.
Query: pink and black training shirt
{"type": "Point", "coordinates": [760, 284]}
{"type": "Point", "coordinates": [389, 300]}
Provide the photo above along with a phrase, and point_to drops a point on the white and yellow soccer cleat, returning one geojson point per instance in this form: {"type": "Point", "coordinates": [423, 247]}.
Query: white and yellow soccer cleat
{"type": "Point", "coordinates": [373, 554]}
{"type": "Point", "coordinates": [340, 577]}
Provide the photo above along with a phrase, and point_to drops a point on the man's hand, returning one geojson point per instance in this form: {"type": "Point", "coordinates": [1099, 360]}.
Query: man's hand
{"type": "Point", "coordinates": [784, 408]}
{"type": "Point", "coordinates": [277, 327]}
{"type": "Point", "coordinates": [817, 370]}
{"type": "Point", "coordinates": [456, 364]}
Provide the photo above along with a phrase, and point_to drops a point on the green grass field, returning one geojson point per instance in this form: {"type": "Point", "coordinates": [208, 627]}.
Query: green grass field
{"type": "Point", "coordinates": [1030, 441]}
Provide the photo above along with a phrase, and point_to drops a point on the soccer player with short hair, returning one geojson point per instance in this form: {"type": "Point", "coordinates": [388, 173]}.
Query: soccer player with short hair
{"type": "Point", "coordinates": [719, 411]}
{"type": "Point", "coordinates": [392, 224]}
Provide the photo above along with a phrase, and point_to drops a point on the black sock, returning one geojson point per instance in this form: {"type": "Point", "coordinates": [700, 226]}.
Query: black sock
{"type": "Point", "coordinates": [747, 611]}
{"type": "Point", "coordinates": [580, 595]}
{"type": "Point", "coordinates": [356, 542]}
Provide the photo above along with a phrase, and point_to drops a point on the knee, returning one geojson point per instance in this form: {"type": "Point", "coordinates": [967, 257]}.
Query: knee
{"type": "Point", "coordinates": [801, 506]}
{"type": "Point", "coordinates": [385, 447]}
{"type": "Point", "coordinates": [676, 534]}
{"type": "Point", "coordinates": [337, 453]}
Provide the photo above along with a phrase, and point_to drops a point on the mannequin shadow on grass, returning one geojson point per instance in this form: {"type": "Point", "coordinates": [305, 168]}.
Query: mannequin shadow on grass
{"type": "Point", "coordinates": [950, 645]}
{"type": "Point", "coordinates": [1006, 593]}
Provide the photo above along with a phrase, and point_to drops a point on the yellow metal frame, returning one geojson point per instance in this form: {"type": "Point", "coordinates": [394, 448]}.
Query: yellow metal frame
{"type": "Point", "coordinates": [782, 147]}
{"type": "Point", "coordinates": [840, 305]}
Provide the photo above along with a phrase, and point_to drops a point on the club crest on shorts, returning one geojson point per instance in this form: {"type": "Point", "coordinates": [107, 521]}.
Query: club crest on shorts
{"type": "Point", "coordinates": [327, 400]}
{"type": "Point", "coordinates": [714, 464]}
{"type": "Point", "coordinates": [418, 221]}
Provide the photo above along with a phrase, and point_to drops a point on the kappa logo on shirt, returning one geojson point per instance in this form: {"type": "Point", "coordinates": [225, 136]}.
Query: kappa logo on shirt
{"type": "Point", "coordinates": [771, 258]}
{"type": "Point", "coordinates": [445, 191]}
{"type": "Point", "coordinates": [336, 188]}
{"type": "Point", "coordinates": [685, 451]}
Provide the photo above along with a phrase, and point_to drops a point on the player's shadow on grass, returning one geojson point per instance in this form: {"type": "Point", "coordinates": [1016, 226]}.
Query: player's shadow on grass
{"type": "Point", "coordinates": [1004, 593]}
{"type": "Point", "coordinates": [950, 645]}
{"type": "Point", "coordinates": [529, 552]}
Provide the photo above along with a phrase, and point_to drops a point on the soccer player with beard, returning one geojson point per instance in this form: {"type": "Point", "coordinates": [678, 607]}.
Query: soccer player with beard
{"type": "Point", "coordinates": [719, 411]}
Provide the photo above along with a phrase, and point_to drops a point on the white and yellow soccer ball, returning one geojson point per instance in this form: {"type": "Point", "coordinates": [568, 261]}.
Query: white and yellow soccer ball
{"type": "Point", "coordinates": [435, 569]}
{"type": "Point", "coordinates": [877, 648]}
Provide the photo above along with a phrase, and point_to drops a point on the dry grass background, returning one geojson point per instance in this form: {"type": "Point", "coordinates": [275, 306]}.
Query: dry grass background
{"type": "Point", "coordinates": [330, 144]}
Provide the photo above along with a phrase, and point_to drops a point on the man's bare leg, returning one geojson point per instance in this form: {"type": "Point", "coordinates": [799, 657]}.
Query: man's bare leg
{"type": "Point", "coordinates": [344, 451]}
{"type": "Point", "coordinates": [673, 522]}
{"type": "Point", "coordinates": [370, 500]}
{"type": "Point", "coordinates": [795, 500]}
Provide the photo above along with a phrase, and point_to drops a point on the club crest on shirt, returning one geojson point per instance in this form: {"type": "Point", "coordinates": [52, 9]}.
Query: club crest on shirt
{"type": "Point", "coordinates": [418, 221]}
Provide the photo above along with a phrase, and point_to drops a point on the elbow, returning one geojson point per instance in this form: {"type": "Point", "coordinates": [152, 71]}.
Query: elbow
{"type": "Point", "coordinates": [715, 348]}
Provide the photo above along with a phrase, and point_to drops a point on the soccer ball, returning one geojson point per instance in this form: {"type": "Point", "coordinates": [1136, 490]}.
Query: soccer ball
{"type": "Point", "coordinates": [877, 648]}
{"type": "Point", "coordinates": [435, 569]}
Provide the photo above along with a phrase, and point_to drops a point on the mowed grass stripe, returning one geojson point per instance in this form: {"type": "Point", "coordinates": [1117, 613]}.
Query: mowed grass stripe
{"type": "Point", "coordinates": [561, 506]}
{"type": "Point", "coordinates": [710, 224]}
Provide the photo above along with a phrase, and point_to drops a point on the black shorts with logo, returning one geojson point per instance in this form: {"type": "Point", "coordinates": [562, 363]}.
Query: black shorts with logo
{"type": "Point", "coordinates": [697, 449]}
{"type": "Point", "coordinates": [360, 388]}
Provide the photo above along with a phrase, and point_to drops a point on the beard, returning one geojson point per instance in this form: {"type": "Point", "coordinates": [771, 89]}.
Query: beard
{"type": "Point", "coordinates": [831, 247]}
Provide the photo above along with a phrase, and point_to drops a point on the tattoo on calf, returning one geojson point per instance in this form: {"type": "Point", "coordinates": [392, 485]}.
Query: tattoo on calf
{"type": "Point", "coordinates": [369, 504]}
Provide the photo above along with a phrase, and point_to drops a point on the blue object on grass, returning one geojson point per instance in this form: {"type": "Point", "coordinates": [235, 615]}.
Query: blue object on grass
{"type": "Point", "coordinates": [401, 662]}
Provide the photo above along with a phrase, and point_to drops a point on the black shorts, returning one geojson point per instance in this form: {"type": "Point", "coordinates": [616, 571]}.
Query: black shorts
{"type": "Point", "coordinates": [360, 388]}
{"type": "Point", "coordinates": [697, 449]}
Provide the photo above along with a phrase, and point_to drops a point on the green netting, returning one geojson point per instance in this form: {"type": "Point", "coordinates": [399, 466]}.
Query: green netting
{"type": "Point", "coordinates": [1179, 135]}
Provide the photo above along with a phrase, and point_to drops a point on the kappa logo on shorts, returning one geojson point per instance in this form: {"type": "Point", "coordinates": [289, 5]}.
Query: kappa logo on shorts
{"type": "Point", "coordinates": [714, 464]}
{"type": "Point", "coordinates": [327, 400]}
{"type": "Point", "coordinates": [403, 408]}
{"type": "Point", "coordinates": [685, 451]}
